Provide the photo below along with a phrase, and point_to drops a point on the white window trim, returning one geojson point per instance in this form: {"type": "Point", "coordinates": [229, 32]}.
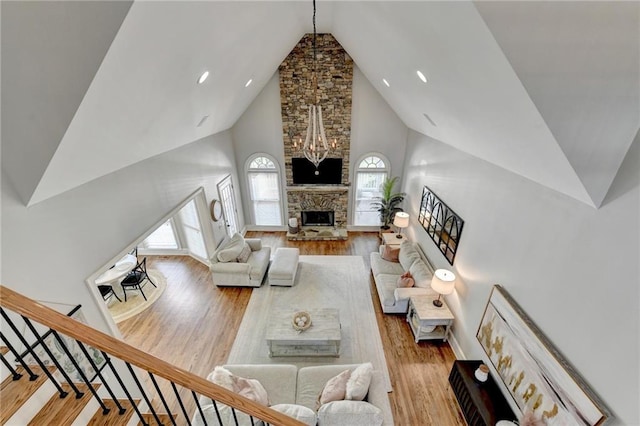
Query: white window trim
{"type": "Point", "coordinates": [354, 179]}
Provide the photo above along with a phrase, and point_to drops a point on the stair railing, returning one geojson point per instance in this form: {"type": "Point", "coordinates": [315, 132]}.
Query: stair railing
{"type": "Point", "coordinates": [93, 345]}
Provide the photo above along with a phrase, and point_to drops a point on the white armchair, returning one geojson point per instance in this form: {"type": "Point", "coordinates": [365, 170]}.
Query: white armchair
{"type": "Point", "coordinates": [227, 271]}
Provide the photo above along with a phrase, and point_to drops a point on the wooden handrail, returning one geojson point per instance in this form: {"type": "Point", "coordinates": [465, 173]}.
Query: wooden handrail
{"type": "Point", "coordinates": [44, 315]}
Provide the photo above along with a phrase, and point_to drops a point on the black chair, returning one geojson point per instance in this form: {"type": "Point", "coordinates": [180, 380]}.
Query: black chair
{"type": "Point", "coordinates": [135, 279]}
{"type": "Point", "coordinates": [107, 291]}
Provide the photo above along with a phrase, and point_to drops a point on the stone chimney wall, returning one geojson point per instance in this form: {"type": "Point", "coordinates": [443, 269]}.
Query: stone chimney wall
{"type": "Point", "coordinates": [334, 93]}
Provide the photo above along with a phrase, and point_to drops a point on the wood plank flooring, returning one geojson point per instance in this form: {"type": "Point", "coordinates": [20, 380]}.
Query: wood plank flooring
{"type": "Point", "coordinates": [194, 323]}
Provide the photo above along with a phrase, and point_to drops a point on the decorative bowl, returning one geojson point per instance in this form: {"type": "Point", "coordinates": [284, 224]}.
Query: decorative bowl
{"type": "Point", "coordinates": [301, 320]}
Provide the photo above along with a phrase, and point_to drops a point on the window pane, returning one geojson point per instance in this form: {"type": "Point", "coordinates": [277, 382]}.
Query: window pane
{"type": "Point", "coordinates": [192, 230]}
{"type": "Point", "coordinates": [161, 238]}
{"type": "Point", "coordinates": [367, 191]}
{"type": "Point", "coordinates": [265, 197]}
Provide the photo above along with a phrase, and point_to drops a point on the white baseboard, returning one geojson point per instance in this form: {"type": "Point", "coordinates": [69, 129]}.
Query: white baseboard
{"type": "Point", "coordinates": [455, 346]}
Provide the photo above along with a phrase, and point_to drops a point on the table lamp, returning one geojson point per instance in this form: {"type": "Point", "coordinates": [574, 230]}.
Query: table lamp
{"type": "Point", "coordinates": [443, 282]}
{"type": "Point", "coordinates": [401, 220]}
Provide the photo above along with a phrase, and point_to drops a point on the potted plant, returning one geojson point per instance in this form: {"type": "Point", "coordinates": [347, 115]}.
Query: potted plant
{"type": "Point", "coordinates": [387, 204]}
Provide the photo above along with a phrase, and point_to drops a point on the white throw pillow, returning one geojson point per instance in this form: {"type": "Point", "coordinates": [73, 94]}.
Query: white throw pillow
{"type": "Point", "coordinates": [352, 413]}
{"type": "Point", "coordinates": [358, 383]}
{"type": "Point", "coordinates": [222, 377]}
{"type": "Point", "coordinates": [421, 274]}
{"type": "Point", "coordinates": [408, 254]}
{"type": "Point", "coordinates": [243, 257]}
{"type": "Point", "coordinates": [232, 250]}
{"type": "Point", "coordinates": [298, 412]}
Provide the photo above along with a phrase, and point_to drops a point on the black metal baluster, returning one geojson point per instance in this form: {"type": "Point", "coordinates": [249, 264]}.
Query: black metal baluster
{"type": "Point", "coordinates": [121, 409]}
{"type": "Point", "coordinates": [144, 394]}
{"type": "Point", "coordinates": [164, 402]}
{"type": "Point", "coordinates": [53, 358]}
{"type": "Point", "coordinates": [196, 399]}
{"type": "Point", "coordinates": [14, 374]}
{"type": "Point", "coordinates": [32, 375]}
{"type": "Point", "coordinates": [184, 411]}
{"type": "Point", "coordinates": [123, 387]}
{"type": "Point", "coordinates": [215, 407]}
{"type": "Point", "coordinates": [46, 371]}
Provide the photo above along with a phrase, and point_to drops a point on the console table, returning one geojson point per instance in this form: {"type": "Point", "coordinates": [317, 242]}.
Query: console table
{"type": "Point", "coordinates": [481, 403]}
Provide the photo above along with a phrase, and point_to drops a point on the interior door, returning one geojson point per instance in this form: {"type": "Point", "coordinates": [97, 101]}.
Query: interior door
{"type": "Point", "coordinates": [228, 201]}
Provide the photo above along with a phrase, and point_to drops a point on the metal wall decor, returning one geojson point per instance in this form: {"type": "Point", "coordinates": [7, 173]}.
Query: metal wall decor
{"type": "Point", "coordinates": [442, 224]}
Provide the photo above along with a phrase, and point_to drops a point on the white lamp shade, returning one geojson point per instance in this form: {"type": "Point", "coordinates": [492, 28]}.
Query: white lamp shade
{"type": "Point", "coordinates": [401, 220]}
{"type": "Point", "coordinates": [443, 281]}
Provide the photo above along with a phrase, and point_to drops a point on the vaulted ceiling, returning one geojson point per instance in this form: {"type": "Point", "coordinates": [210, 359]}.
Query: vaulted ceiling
{"type": "Point", "coordinates": [547, 90]}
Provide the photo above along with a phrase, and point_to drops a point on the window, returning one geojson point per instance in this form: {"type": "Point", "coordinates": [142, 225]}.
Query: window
{"type": "Point", "coordinates": [372, 170]}
{"type": "Point", "coordinates": [263, 178]}
{"type": "Point", "coordinates": [191, 229]}
{"type": "Point", "coordinates": [162, 238]}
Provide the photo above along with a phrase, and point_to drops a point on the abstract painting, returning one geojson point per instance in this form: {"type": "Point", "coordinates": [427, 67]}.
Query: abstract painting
{"type": "Point", "coordinates": [538, 379]}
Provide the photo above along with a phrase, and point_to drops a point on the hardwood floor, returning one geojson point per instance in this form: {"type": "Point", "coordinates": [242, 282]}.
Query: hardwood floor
{"type": "Point", "coordinates": [194, 323]}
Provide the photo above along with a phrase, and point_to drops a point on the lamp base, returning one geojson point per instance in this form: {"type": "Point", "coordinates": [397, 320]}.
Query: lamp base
{"type": "Point", "coordinates": [438, 303]}
{"type": "Point", "coordinates": [398, 236]}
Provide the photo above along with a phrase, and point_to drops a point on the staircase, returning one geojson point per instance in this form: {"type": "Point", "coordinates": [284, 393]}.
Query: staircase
{"type": "Point", "coordinates": [71, 374]}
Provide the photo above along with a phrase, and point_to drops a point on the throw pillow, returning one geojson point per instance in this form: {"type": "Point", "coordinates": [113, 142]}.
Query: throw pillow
{"type": "Point", "coordinates": [232, 250]}
{"type": "Point", "coordinates": [335, 389]}
{"type": "Point", "coordinates": [358, 383]}
{"type": "Point", "coordinates": [421, 274]}
{"type": "Point", "coordinates": [408, 254]}
{"type": "Point", "coordinates": [352, 413]}
{"type": "Point", "coordinates": [390, 254]}
{"type": "Point", "coordinates": [298, 412]}
{"type": "Point", "coordinates": [222, 377]}
{"type": "Point", "coordinates": [243, 257]}
{"type": "Point", "coordinates": [251, 389]}
{"type": "Point", "coordinates": [405, 280]}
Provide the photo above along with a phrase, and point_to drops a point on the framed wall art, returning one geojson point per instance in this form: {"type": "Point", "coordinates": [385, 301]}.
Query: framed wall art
{"type": "Point", "coordinates": [442, 224]}
{"type": "Point", "coordinates": [539, 381]}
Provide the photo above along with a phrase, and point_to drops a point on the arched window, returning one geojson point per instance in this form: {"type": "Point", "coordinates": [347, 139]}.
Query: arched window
{"type": "Point", "coordinates": [263, 177]}
{"type": "Point", "coordinates": [372, 170]}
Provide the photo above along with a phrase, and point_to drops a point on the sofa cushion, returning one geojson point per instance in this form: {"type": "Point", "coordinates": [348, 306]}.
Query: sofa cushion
{"type": "Point", "coordinates": [381, 266]}
{"type": "Point", "coordinates": [390, 254]}
{"type": "Point", "coordinates": [232, 249]}
{"type": "Point", "coordinates": [279, 380]}
{"type": "Point", "coordinates": [259, 261]}
{"type": "Point", "coordinates": [386, 284]}
{"type": "Point", "coordinates": [352, 413]}
{"type": "Point", "coordinates": [421, 274]}
{"type": "Point", "coordinates": [358, 383]}
{"type": "Point", "coordinates": [298, 412]}
{"type": "Point", "coordinates": [311, 381]}
{"type": "Point", "coordinates": [408, 254]}
{"type": "Point", "coordinates": [335, 389]}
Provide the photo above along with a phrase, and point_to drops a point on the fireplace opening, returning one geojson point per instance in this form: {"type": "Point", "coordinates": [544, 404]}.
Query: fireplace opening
{"type": "Point", "coordinates": [317, 218]}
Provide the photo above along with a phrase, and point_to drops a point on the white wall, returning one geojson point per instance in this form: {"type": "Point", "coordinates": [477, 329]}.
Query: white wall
{"type": "Point", "coordinates": [259, 129]}
{"type": "Point", "coordinates": [49, 249]}
{"type": "Point", "coordinates": [572, 268]}
{"type": "Point", "coordinates": [374, 127]}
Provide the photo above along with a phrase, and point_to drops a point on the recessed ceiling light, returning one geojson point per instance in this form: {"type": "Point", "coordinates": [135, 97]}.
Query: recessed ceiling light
{"type": "Point", "coordinates": [248, 83]}
{"type": "Point", "coordinates": [203, 77]}
{"type": "Point", "coordinates": [422, 77]}
{"type": "Point", "coordinates": [384, 80]}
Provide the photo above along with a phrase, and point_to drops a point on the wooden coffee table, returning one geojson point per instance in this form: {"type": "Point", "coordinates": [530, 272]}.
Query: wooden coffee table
{"type": "Point", "coordinates": [321, 339]}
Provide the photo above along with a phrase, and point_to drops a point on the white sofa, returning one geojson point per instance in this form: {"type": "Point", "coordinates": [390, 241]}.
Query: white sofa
{"type": "Point", "coordinates": [228, 272]}
{"type": "Point", "coordinates": [286, 384]}
{"type": "Point", "coordinates": [386, 274]}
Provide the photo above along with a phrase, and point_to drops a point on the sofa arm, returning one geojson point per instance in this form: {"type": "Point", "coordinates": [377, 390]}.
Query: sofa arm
{"type": "Point", "coordinates": [379, 397]}
{"type": "Point", "coordinates": [254, 243]}
{"type": "Point", "coordinates": [230, 268]}
{"type": "Point", "coordinates": [402, 293]}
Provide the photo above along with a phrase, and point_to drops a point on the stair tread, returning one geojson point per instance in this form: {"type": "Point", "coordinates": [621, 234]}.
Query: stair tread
{"type": "Point", "coordinates": [113, 418]}
{"type": "Point", "coordinates": [16, 392]}
{"type": "Point", "coordinates": [63, 411]}
{"type": "Point", "coordinates": [148, 417]}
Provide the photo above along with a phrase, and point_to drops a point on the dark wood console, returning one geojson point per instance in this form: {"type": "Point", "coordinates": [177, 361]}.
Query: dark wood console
{"type": "Point", "coordinates": [481, 403]}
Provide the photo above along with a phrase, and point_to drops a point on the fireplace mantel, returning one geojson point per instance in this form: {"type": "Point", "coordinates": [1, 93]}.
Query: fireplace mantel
{"type": "Point", "coordinates": [318, 188]}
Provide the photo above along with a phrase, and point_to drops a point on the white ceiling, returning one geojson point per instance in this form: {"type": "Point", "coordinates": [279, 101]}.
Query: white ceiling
{"type": "Point", "coordinates": [547, 90]}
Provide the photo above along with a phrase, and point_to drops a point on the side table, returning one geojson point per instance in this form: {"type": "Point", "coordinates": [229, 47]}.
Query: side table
{"type": "Point", "coordinates": [391, 239]}
{"type": "Point", "coordinates": [428, 321]}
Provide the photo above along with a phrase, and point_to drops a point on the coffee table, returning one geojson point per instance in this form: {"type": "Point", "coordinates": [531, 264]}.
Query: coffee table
{"type": "Point", "coordinates": [321, 339]}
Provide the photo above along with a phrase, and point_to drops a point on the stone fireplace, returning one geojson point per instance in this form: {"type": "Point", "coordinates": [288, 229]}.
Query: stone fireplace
{"type": "Point", "coordinates": [328, 203]}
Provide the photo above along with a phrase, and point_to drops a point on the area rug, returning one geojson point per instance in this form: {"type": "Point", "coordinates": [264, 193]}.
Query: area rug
{"type": "Point", "coordinates": [135, 303]}
{"type": "Point", "coordinates": [340, 282]}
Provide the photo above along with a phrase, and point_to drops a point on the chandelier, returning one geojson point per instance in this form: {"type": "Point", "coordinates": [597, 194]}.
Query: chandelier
{"type": "Point", "coordinates": [315, 146]}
